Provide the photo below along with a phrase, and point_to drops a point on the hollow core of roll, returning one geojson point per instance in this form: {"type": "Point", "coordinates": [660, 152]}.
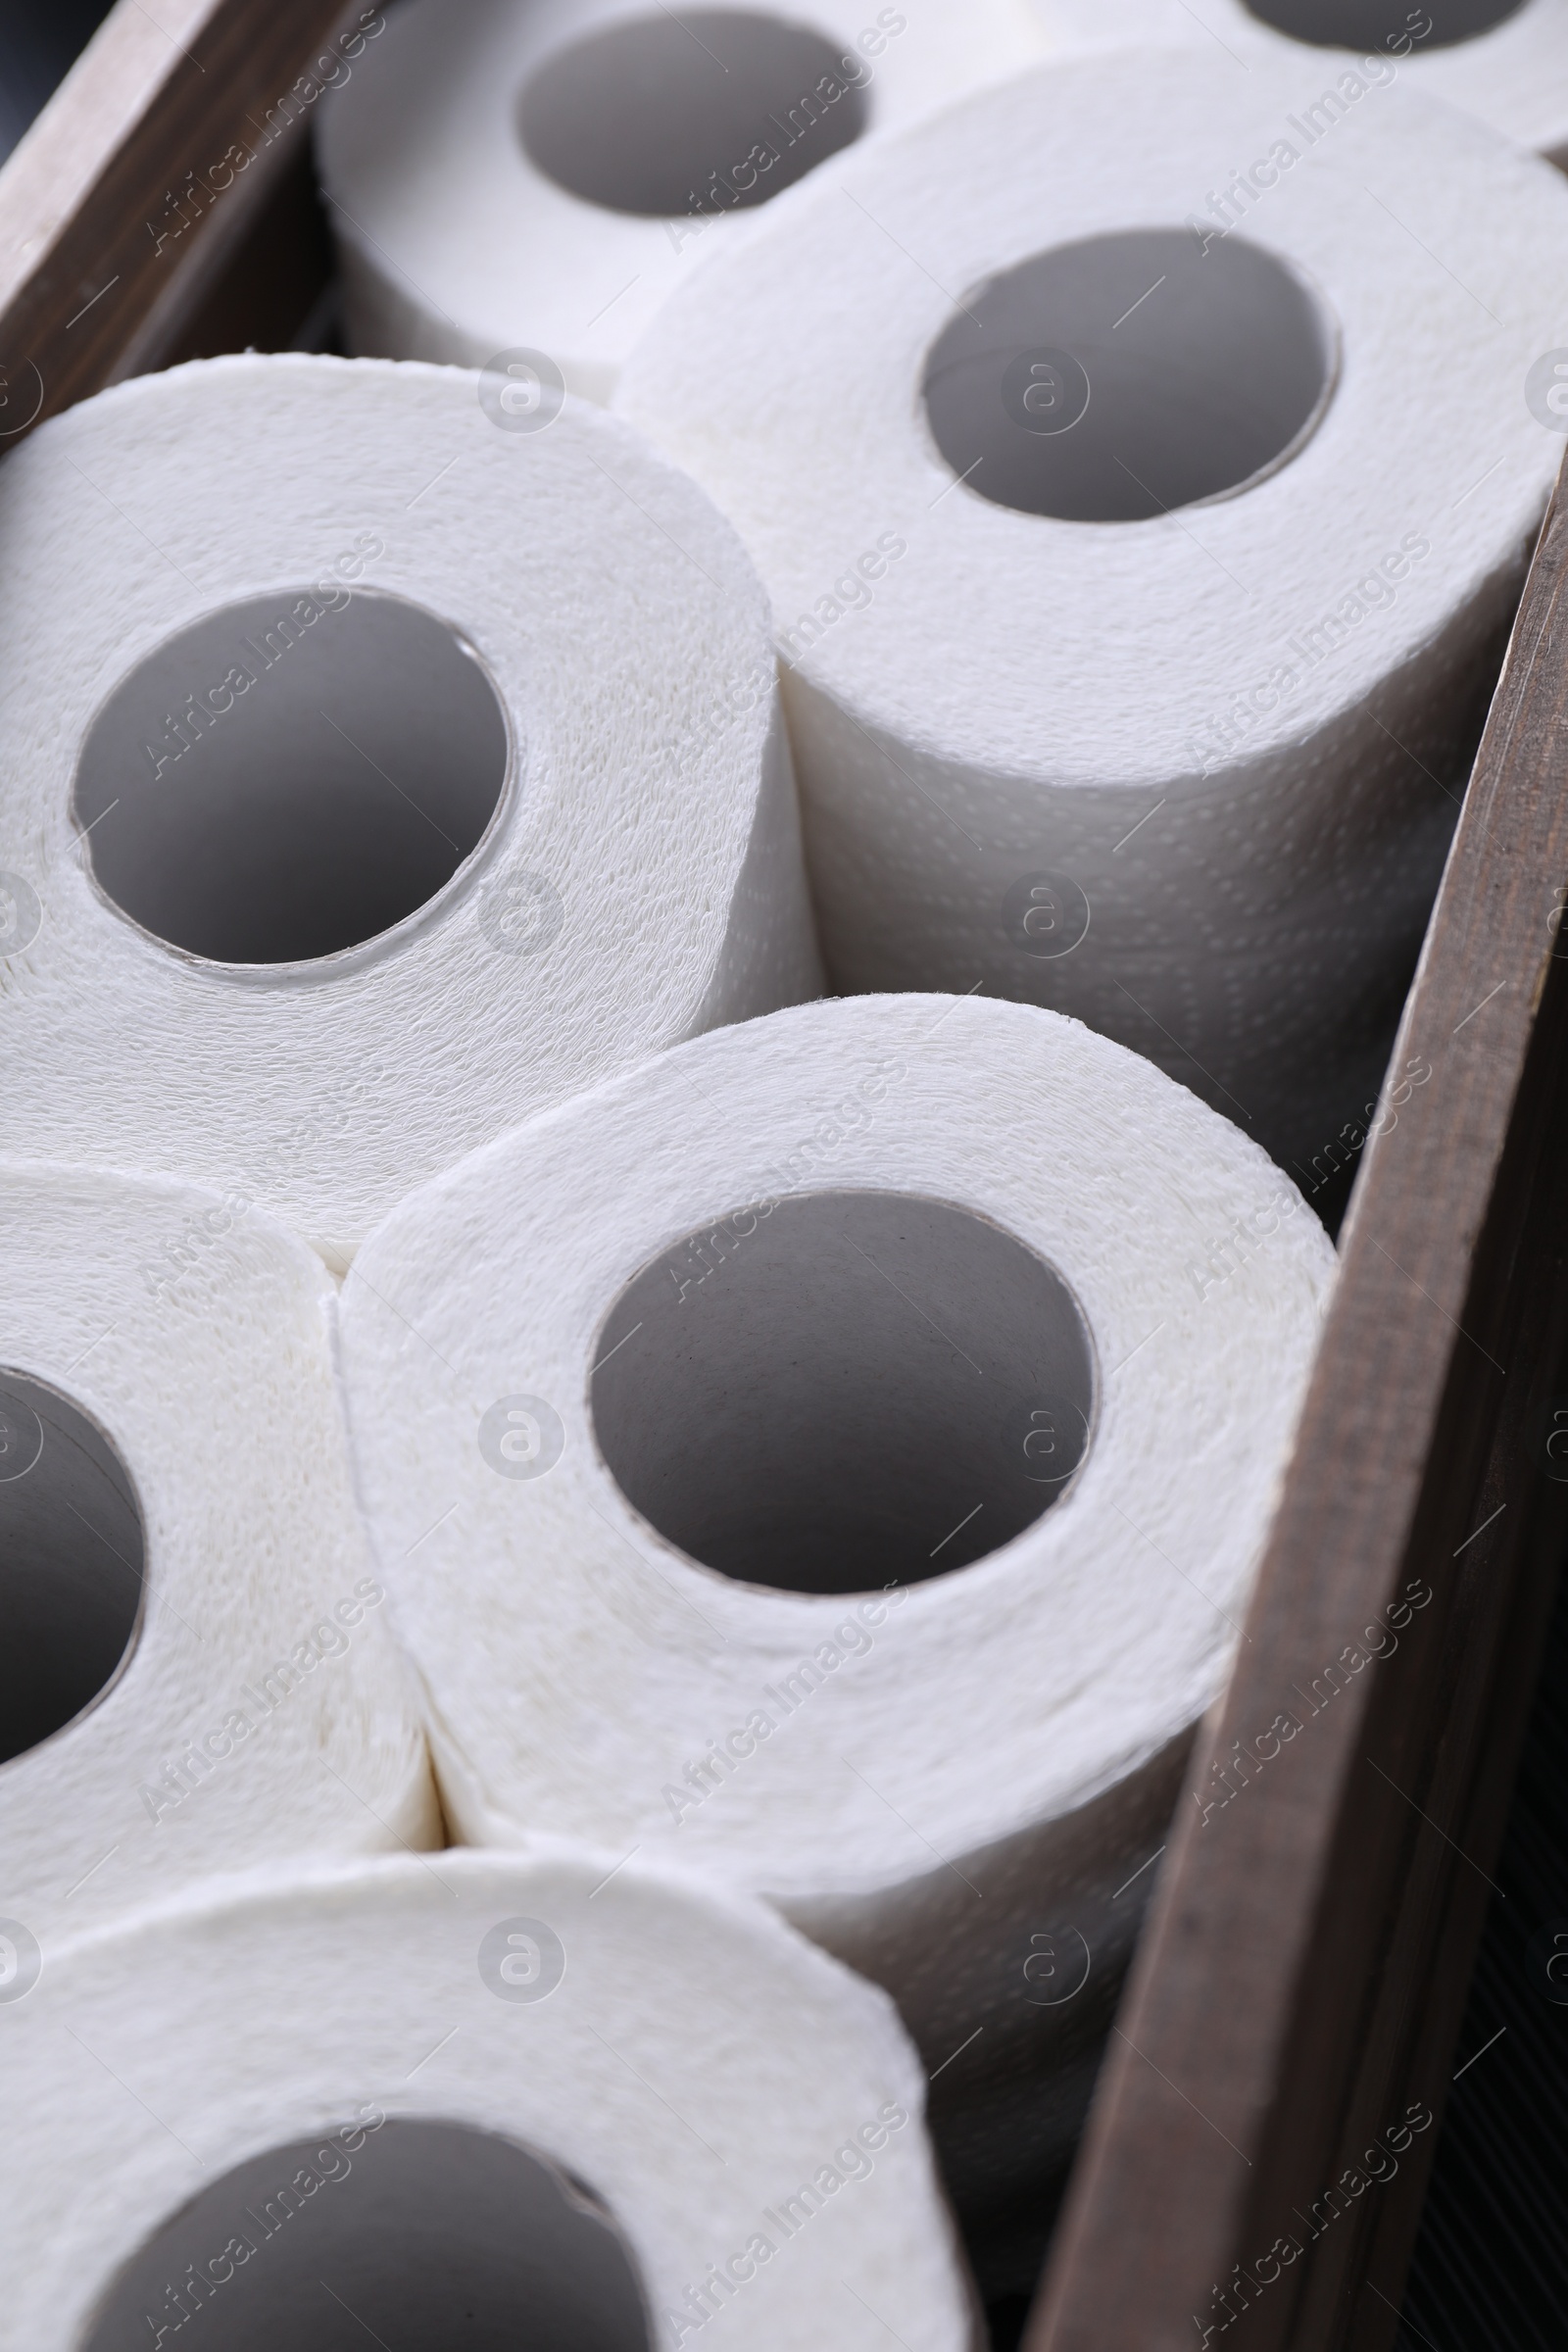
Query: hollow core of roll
{"type": "Point", "coordinates": [1112, 380]}
{"type": "Point", "coordinates": [714, 113]}
{"type": "Point", "coordinates": [418, 2236]}
{"type": "Point", "coordinates": [291, 776]}
{"type": "Point", "coordinates": [845, 1391]}
{"type": "Point", "coordinates": [71, 1555]}
{"type": "Point", "coordinates": [1390, 26]}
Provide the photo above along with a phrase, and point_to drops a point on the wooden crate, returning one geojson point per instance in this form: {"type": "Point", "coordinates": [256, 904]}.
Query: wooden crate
{"type": "Point", "coordinates": [1300, 1979]}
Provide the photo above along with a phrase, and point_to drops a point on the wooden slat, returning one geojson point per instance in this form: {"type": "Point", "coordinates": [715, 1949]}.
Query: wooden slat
{"type": "Point", "coordinates": [1301, 1978]}
{"type": "Point", "coordinates": [137, 183]}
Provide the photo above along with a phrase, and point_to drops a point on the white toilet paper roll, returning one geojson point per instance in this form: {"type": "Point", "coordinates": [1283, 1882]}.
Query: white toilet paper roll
{"type": "Point", "coordinates": [544, 172]}
{"type": "Point", "coordinates": [371, 774]}
{"type": "Point", "coordinates": [1504, 60]}
{"type": "Point", "coordinates": [837, 1455]}
{"type": "Point", "coordinates": [482, 2099]}
{"type": "Point", "coordinates": [196, 1674]}
{"type": "Point", "coordinates": [1187, 774]}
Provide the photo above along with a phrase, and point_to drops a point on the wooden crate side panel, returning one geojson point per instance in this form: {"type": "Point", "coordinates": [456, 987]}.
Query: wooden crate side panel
{"type": "Point", "coordinates": [1232, 2075]}
{"type": "Point", "coordinates": [140, 180]}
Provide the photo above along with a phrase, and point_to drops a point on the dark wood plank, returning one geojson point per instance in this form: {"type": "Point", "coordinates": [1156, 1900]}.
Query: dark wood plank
{"type": "Point", "coordinates": [263, 294]}
{"type": "Point", "coordinates": [1299, 1982]}
{"type": "Point", "coordinates": [140, 181]}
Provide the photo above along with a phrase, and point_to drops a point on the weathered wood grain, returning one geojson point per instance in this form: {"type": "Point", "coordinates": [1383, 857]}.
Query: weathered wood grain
{"type": "Point", "coordinates": [1301, 1978]}
{"type": "Point", "coordinates": [140, 180]}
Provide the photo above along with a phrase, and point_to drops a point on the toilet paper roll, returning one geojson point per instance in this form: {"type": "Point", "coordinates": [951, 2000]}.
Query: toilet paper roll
{"type": "Point", "coordinates": [544, 172]}
{"type": "Point", "coordinates": [1504, 60]}
{"type": "Point", "coordinates": [837, 1455]}
{"type": "Point", "coordinates": [549, 2101]}
{"type": "Point", "coordinates": [386, 774]}
{"type": "Point", "coordinates": [1187, 774]}
{"type": "Point", "coordinates": [196, 1674]}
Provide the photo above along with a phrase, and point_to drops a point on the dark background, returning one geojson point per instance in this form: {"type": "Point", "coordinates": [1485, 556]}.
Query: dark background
{"type": "Point", "coordinates": [36, 46]}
